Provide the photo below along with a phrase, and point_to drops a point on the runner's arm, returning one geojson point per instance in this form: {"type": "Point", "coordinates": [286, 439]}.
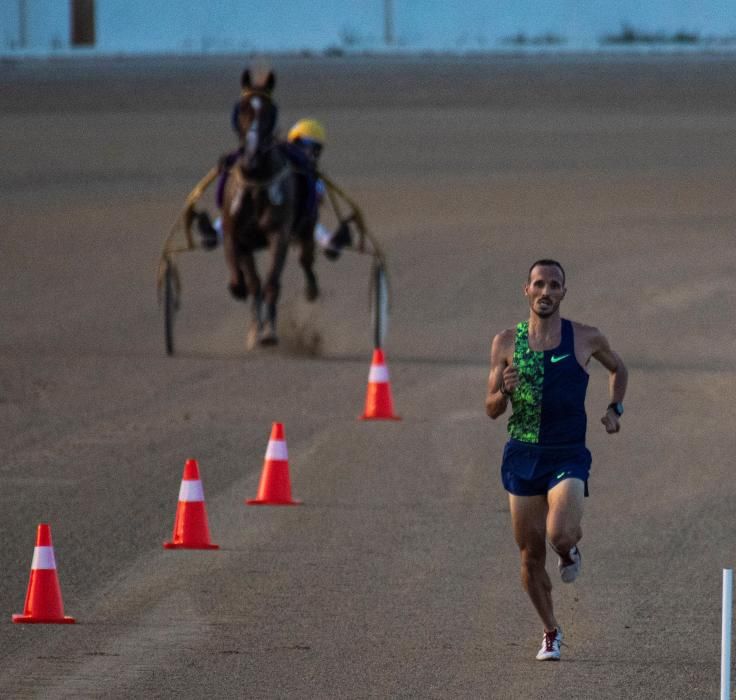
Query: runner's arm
{"type": "Point", "coordinates": [502, 378]}
{"type": "Point", "coordinates": [617, 381]}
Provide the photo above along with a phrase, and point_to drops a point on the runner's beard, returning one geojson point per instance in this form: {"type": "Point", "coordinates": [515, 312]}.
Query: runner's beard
{"type": "Point", "coordinates": [546, 314]}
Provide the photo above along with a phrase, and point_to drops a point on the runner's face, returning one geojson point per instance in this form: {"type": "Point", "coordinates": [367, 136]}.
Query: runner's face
{"type": "Point", "coordinates": [545, 290]}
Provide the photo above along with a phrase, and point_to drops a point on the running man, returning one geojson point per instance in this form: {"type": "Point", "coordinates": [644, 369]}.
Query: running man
{"type": "Point", "coordinates": [540, 366]}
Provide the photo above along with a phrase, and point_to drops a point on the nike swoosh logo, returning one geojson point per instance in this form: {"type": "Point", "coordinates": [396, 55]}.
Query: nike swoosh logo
{"type": "Point", "coordinates": [555, 359]}
{"type": "Point", "coordinates": [560, 475]}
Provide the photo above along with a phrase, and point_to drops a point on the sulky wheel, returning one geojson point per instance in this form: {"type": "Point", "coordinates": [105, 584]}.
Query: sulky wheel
{"type": "Point", "coordinates": [171, 304]}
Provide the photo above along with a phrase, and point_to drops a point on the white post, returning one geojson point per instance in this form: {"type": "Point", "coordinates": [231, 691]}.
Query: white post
{"type": "Point", "coordinates": [726, 614]}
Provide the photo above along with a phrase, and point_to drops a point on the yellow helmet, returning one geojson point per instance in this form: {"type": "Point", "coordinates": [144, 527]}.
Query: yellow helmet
{"type": "Point", "coordinates": [308, 130]}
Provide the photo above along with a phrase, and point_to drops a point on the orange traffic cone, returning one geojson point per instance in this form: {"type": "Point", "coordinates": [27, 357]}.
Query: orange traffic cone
{"type": "Point", "coordinates": [378, 402]}
{"type": "Point", "coordinates": [191, 530]}
{"type": "Point", "coordinates": [275, 486]}
{"type": "Point", "coordinates": [43, 598]}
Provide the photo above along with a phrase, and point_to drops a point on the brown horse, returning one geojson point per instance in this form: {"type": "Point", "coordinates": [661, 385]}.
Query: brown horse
{"type": "Point", "coordinates": [258, 211]}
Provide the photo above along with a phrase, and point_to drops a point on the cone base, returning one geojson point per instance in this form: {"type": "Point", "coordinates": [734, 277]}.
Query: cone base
{"type": "Point", "coordinates": [366, 417]}
{"type": "Point", "coordinates": [177, 545]}
{"type": "Point", "coordinates": [66, 620]}
{"type": "Point", "coordinates": [267, 502]}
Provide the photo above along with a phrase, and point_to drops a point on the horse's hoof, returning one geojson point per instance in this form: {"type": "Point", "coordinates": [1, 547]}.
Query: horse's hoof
{"type": "Point", "coordinates": [269, 340]}
{"type": "Point", "coordinates": [267, 335]}
{"type": "Point", "coordinates": [311, 291]}
{"type": "Point", "coordinates": [238, 291]}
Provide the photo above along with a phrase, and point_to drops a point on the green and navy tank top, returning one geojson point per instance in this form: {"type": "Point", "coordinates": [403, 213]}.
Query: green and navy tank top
{"type": "Point", "coordinates": [549, 402]}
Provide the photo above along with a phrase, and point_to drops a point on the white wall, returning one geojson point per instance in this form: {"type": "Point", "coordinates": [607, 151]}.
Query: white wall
{"type": "Point", "coordinates": [215, 26]}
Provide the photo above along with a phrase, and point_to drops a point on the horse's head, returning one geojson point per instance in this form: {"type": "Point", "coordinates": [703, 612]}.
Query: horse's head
{"type": "Point", "coordinates": [257, 114]}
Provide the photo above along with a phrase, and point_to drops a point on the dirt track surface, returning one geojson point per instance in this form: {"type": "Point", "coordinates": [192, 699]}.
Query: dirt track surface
{"type": "Point", "coordinates": [399, 575]}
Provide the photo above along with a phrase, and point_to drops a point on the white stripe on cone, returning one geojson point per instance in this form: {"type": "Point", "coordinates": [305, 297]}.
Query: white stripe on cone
{"type": "Point", "coordinates": [191, 491]}
{"type": "Point", "coordinates": [378, 374]}
{"type": "Point", "coordinates": [43, 558]}
{"type": "Point", "coordinates": [276, 450]}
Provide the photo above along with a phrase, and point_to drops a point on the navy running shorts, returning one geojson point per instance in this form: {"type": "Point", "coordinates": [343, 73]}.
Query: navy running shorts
{"type": "Point", "coordinates": [532, 470]}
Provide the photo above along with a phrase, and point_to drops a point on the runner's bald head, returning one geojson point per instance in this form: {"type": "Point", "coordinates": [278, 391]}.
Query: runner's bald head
{"type": "Point", "coordinates": [546, 262]}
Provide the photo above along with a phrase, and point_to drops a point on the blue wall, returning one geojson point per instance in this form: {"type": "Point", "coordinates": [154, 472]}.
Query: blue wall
{"type": "Point", "coordinates": [225, 26]}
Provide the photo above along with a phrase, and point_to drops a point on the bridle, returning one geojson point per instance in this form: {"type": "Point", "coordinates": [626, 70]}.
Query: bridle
{"type": "Point", "coordinates": [257, 137]}
{"type": "Point", "coordinates": [262, 150]}
{"type": "Point", "coordinates": [255, 92]}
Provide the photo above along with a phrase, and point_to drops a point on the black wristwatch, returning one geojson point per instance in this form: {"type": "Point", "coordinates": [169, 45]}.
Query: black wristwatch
{"type": "Point", "coordinates": [617, 407]}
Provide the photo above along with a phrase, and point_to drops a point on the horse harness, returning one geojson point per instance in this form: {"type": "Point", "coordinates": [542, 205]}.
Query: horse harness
{"type": "Point", "coordinates": [273, 185]}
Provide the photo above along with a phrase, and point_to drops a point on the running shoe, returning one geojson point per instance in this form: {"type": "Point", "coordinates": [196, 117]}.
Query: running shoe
{"type": "Point", "coordinates": [569, 572]}
{"type": "Point", "coordinates": [551, 642]}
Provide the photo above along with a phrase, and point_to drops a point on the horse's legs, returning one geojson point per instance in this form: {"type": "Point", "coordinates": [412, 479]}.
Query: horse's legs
{"type": "Point", "coordinates": [253, 283]}
{"type": "Point", "coordinates": [278, 245]}
{"type": "Point", "coordinates": [306, 260]}
{"type": "Point", "coordinates": [237, 284]}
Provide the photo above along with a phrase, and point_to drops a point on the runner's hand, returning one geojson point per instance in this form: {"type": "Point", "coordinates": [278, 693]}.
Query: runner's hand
{"type": "Point", "coordinates": [510, 378]}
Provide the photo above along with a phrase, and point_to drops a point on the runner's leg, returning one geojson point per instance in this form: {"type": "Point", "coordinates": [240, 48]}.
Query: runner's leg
{"type": "Point", "coordinates": [565, 515]}
{"type": "Point", "coordinates": [529, 517]}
